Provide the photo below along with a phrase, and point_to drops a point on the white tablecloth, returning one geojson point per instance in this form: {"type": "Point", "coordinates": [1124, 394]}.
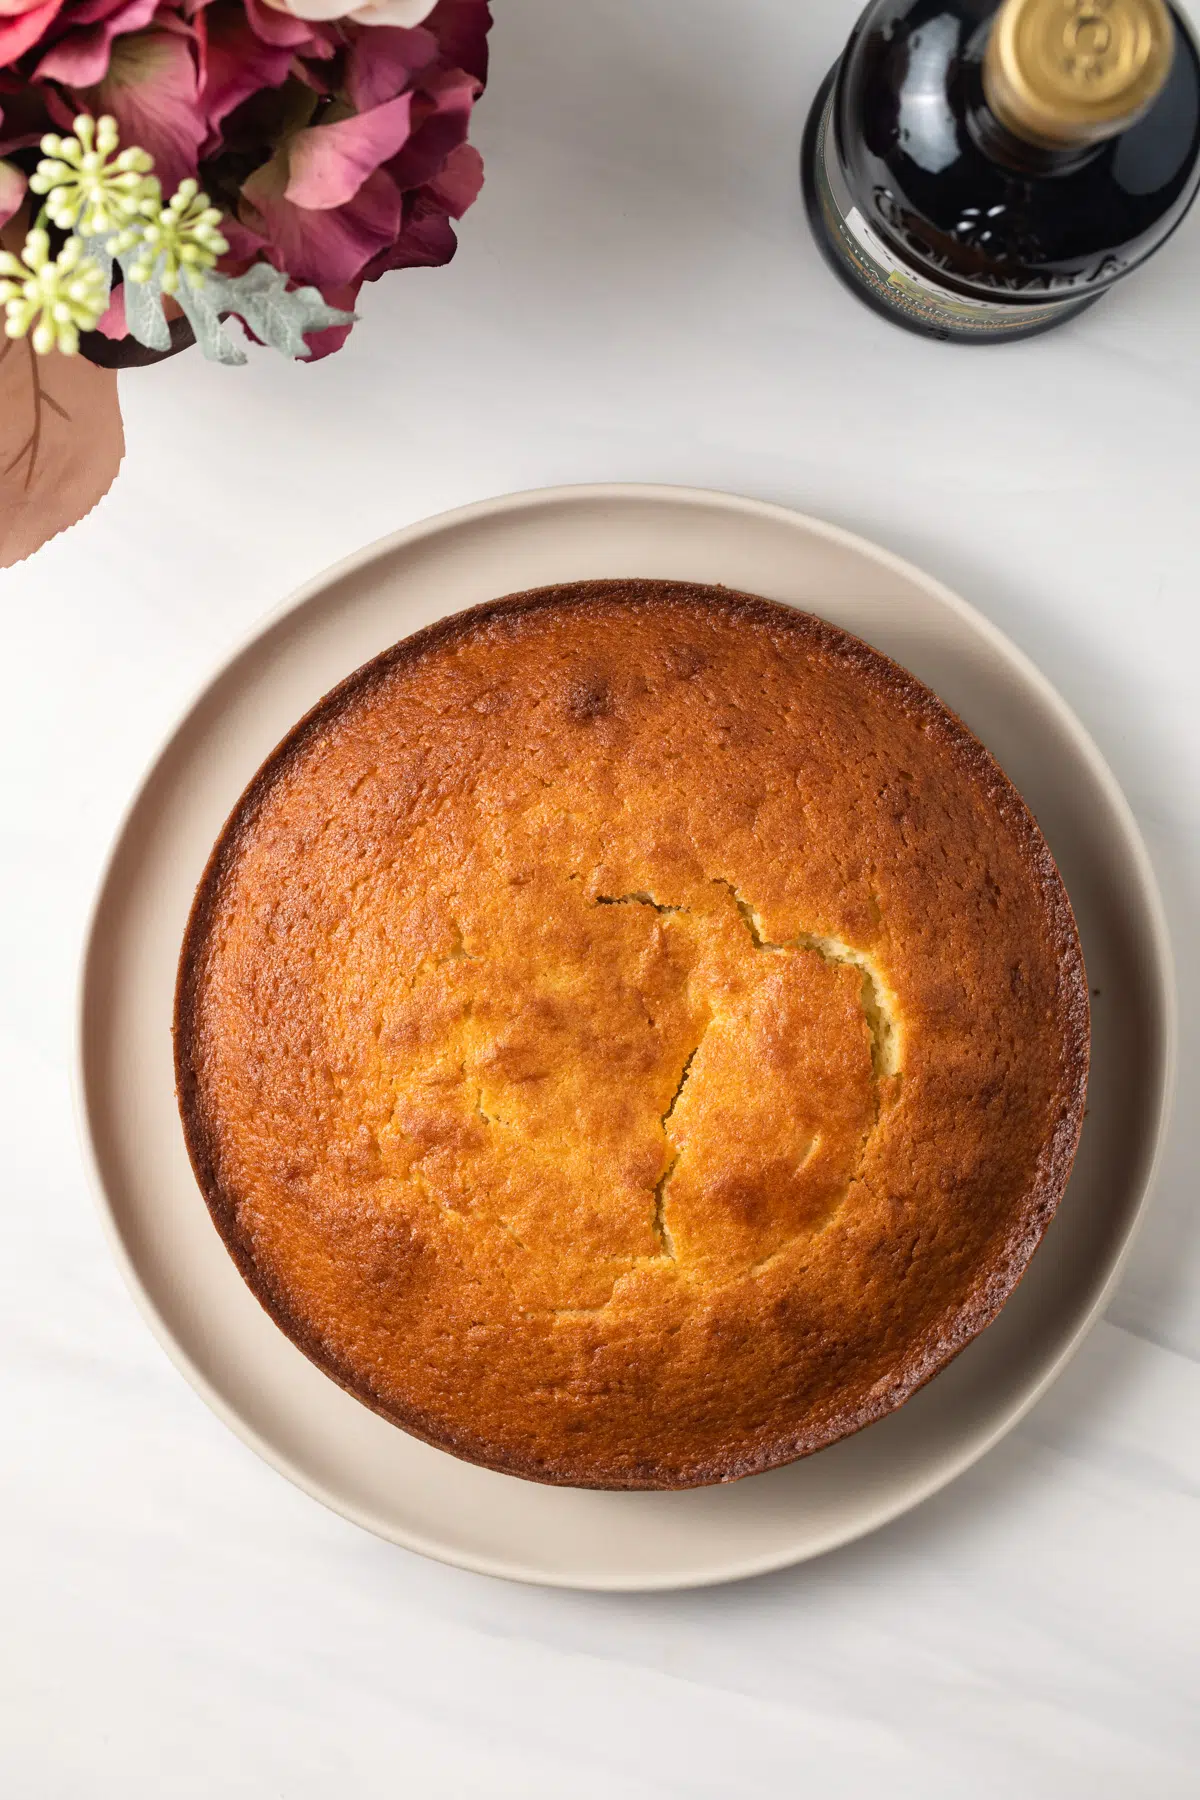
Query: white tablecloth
{"type": "Point", "coordinates": [636, 298]}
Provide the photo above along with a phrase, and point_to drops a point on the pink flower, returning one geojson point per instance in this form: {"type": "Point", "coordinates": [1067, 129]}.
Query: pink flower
{"type": "Point", "coordinates": [332, 133]}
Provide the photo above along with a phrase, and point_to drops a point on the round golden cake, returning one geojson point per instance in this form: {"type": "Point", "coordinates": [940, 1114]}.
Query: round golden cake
{"type": "Point", "coordinates": [631, 1035]}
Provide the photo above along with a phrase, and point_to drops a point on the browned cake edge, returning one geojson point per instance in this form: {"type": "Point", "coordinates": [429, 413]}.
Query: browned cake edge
{"type": "Point", "coordinates": [925, 1359]}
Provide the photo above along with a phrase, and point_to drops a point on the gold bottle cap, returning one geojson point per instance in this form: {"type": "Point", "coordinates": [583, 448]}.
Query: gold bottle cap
{"type": "Point", "coordinates": [1060, 72]}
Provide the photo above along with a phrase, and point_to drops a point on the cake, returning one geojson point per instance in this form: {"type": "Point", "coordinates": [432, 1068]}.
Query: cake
{"type": "Point", "coordinates": [631, 1035]}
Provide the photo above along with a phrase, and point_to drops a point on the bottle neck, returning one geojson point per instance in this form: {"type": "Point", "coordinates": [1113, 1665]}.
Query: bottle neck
{"type": "Point", "coordinates": [1000, 143]}
{"type": "Point", "coordinates": [1061, 77]}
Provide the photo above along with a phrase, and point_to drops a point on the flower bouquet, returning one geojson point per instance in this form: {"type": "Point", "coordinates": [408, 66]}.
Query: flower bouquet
{"type": "Point", "coordinates": [167, 165]}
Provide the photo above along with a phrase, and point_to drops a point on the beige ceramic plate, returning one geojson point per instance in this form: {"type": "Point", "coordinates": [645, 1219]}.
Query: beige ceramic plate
{"type": "Point", "coordinates": [196, 1301]}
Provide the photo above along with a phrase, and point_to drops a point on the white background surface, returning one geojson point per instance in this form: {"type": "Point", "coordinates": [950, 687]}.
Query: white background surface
{"type": "Point", "coordinates": [636, 298]}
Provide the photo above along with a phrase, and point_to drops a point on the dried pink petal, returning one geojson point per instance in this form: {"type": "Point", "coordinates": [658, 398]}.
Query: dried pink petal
{"type": "Point", "coordinates": [381, 64]}
{"type": "Point", "coordinates": [151, 91]}
{"type": "Point", "coordinates": [81, 58]}
{"type": "Point", "coordinates": [327, 164]}
{"type": "Point", "coordinates": [238, 63]}
{"type": "Point", "coordinates": [326, 247]}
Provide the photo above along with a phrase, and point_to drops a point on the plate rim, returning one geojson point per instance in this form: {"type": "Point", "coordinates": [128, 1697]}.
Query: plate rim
{"type": "Point", "coordinates": [531, 500]}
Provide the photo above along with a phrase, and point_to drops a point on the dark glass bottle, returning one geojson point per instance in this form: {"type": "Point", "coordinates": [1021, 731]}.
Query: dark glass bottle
{"type": "Point", "coordinates": [982, 172]}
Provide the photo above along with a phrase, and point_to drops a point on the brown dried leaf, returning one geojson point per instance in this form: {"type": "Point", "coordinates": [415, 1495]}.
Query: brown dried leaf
{"type": "Point", "coordinates": [61, 444]}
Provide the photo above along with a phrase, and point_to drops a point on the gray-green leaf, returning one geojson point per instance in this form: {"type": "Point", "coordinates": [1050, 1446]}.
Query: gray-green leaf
{"type": "Point", "coordinates": [277, 316]}
{"type": "Point", "coordinates": [144, 305]}
{"type": "Point", "coordinates": [197, 302]}
{"type": "Point", "coordinates": [97, 249]}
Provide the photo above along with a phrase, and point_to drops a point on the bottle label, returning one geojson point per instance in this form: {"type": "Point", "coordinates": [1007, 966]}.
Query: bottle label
{"type": "Point", "coordinates": [890, 280]}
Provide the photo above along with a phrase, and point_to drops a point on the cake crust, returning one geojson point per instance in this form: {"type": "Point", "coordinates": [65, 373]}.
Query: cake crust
{"type": "Point", "coordinates": [631, 1035]}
